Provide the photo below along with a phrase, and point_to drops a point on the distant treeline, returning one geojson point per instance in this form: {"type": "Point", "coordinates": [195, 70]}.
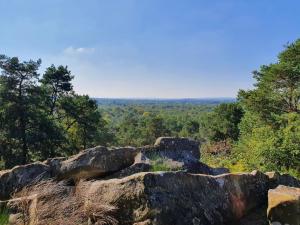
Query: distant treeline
{"type": "Point", "coordinates": [161, 101]}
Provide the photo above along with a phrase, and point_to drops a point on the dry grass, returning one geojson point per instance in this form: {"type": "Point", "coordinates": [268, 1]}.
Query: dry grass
{"type": "Point", "coordinates": [100, 214]}
{"type": "Point", "coordinates": [22, 203]}
{"type": "Point", "coordinates": [52, 203]}
{"type": "Point", "coordinates": [100, 211]}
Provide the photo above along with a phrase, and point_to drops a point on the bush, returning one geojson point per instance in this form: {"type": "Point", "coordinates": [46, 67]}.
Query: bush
{"type": "Point", "coordinates": [267, 147]}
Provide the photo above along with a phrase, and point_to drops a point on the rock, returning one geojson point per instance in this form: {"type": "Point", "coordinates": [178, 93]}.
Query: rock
{"type": "Point", "coordinates": [257, 216]}
{"type": "Point", "coordinates": [20, 176]}
{"type": "Point", "coordinates": [48, 202]}
{"type": "Point", "coordinates": [199, 167]}
{"type": "Point", "coordinates": [96, 162]}
{"type": "Point", "coordinates": [179, 145]}
{"type": "Point", "coordinates": [170, 198]}
{"type": "Point", "coordinates": [135, 168]}
{"type": "Point", "coordinates": [282, 179]}
{"type": "Point", "coordinates": [284, 205]}
{"type": "Point", "coordinates": [54, 164]}
{"type": "Point", "coordinates": [175, 154]}
{"type": "Point", "coordinates": [115, 186]}
{"type": "Point", "coordinates": [218, 171]}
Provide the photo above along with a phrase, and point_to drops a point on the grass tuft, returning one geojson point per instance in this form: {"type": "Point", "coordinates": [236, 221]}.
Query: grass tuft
{"type": "Point", "coordinates": [3, 215]}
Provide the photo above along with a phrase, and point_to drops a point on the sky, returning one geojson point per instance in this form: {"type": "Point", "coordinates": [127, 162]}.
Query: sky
{"type": "Point", "coordinates": [151, 48]}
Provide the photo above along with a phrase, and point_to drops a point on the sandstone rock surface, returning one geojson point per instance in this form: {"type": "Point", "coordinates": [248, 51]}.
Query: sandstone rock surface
{"type": "Point", "coordinates": [98, 161]}
{"type": "Point", "coordinates": [284, 205]}
{"type": "Point", "coordinates": [20, 176]}
{"type": "Point", "coordinates": [159, 198]}
{"type": "Point", "coordinates": [282, 179]}
{"type": "Point", "coordinates": [163, 184]}
{"type": "Point", "coordinates": [176, 154]}
{"type": "Point", "coordinates": [171, 198]}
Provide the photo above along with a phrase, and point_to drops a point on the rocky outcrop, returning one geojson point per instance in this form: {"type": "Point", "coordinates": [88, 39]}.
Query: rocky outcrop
{"type": "Point", "coordinates": [284, 205]}
{"type": "Point", "coordinates": [162, 198]}
{"type": "Point", "coordinates": [20, 176]}
{"type": "Point", "coordinates": [163, 184]}
{"type": "Point", "coordinates": [171, 198]}
{"type": "Point", "coordinates": [103, 162]}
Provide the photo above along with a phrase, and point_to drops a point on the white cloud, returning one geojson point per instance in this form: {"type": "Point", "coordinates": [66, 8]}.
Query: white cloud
{"type": "Point", "coordinates": [75, 51]}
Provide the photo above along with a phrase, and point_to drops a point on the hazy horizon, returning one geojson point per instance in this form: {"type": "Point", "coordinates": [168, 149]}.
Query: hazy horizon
{"type": "Point", "coordinates": [151, 49]}
{"type": "Point", "coordinates": [159, 98]}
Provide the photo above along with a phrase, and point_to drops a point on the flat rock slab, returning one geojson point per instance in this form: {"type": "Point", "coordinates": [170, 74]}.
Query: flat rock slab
{"type": "Point", "coordinates": [176, 198]}
{"type": "Point", "coordinates": [94, 162]}
{"type": "Point", "coordinates": [284, 205]}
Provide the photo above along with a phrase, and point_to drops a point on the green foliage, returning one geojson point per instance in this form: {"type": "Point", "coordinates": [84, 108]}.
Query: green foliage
{"type": "Point", "coordinates": [272, 149]}
{"type": "Point", "coordinates": [141, 129]}
{"type": "Point", "coordinates": [269, 130]}
{"type": "Point", "coordinates": [42, 118]}
{"type": "Point", "coordinates": [161, 165]}
{"type": "Point", "coordinates": [56, 82]}
{"type": "Point", "coordinates": [140, 124]}
{"type": "Point", "coordinates": [270, 137]}
{"type": "Point", "coordinates": [19, 100]}
{"type": "Point", "coordinates": [4, 216]}
{"type": "Point", "coordinates": [277, 88]}
{"type": "Point", "coordinates": [226, 160]}
{"type": "Point", "coordinates": [222, 123]}
{"type": "Point", "coordinates": [158, 163]}
{"type": "Point", "coordinates": [82, 121]}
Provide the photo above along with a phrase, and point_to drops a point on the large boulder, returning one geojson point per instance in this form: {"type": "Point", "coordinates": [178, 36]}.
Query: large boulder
{"type": "Point", "coordinates": [96, 162]}
{"type": "Point", "coordinates": [175, 154]}
{"type": "Point", "coordinates": [21, 176]}
{"type": "Point", "coordinates": [170, 198]}
{"type": "Point", "coordinates": [284, 205]}
{"type": "Point", "coordinates": [180, 145]}
{"type": "Point", "coordinates": [178, 149]}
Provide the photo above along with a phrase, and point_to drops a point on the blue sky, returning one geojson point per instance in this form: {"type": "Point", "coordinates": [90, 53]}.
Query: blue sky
{"type": "Point", "coordinates": [151, 48]}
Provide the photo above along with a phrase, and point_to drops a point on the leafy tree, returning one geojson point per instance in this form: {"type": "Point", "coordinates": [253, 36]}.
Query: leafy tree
{"type": "Point", "coordinates": [278, 86]}
{"type": "Point", "coordinates": [153, 127]}
{"type": "Point", "coordinates": [267, 148]}
{"type": "Point", "coordinates": [192, 127]}
{"type": "Point", "coordinates": [56, 82]}
{"type": "Point", "coordinates": [128, 130]}
{"type": "Point", "coordinates": [222, 122]}
{"type": "Point", "coordinates": [44, 118]}
{"type": "Point", "coordinates": [19, 101]}
{"type": "Point", "coordinates": [82, 121]}
{"type": "Point", "coordinates": [270, 127]}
